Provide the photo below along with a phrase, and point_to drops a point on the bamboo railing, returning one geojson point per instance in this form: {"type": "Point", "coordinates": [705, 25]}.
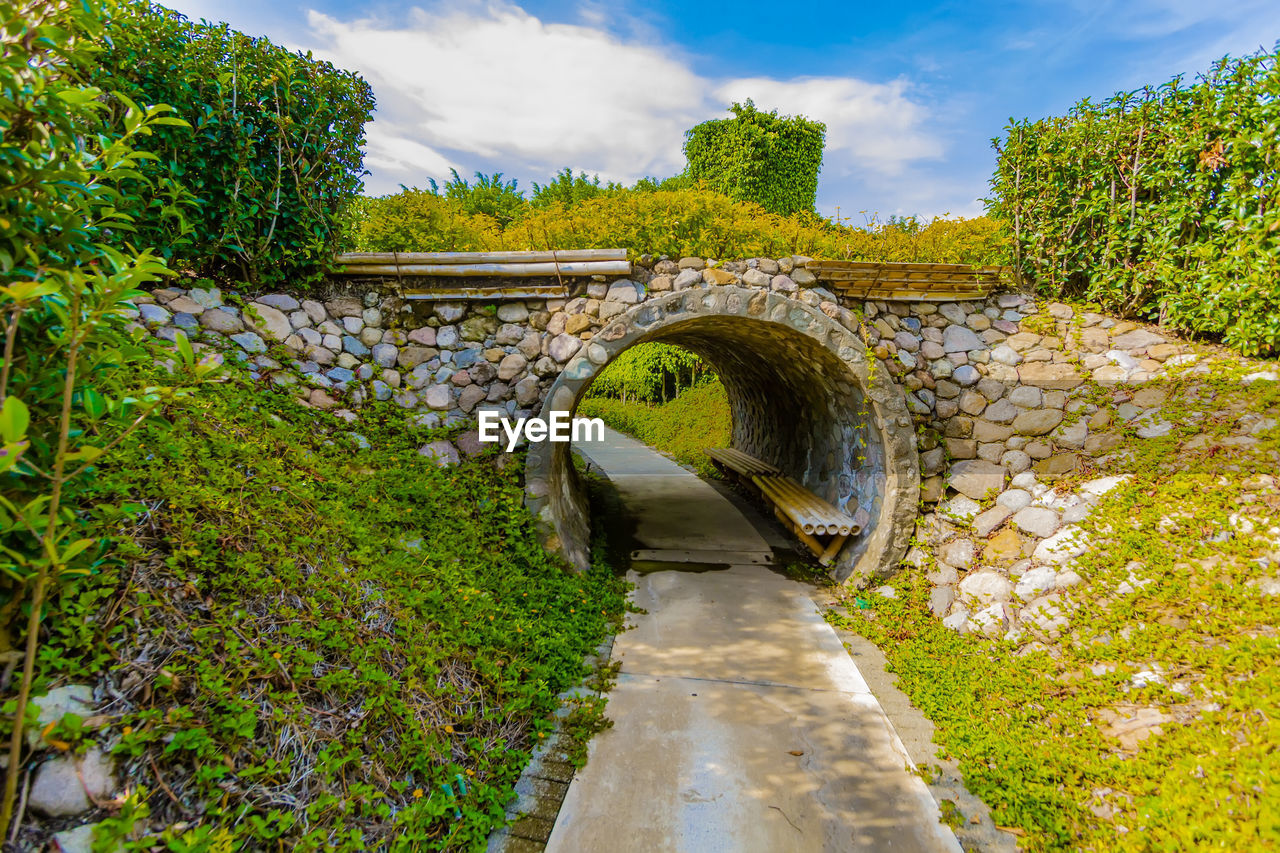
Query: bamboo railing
{"type": "Point", "coordinates": [578, 262]}
{"type": "Point", "coordinates": [899, 282]}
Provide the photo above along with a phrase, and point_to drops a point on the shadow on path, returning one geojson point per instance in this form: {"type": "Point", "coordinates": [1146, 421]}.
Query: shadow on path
{"type": "Point", "coordinates": [740, 722]}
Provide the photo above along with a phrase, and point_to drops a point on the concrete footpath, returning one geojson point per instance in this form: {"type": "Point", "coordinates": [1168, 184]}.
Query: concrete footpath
{"type": "Point", "coordinates": [740, 722]}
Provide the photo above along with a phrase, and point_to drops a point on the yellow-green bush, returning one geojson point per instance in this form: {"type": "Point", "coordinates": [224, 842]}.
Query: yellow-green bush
{"type": "Point", "coordinates": [979, 241]}
{"type": "Point", "coordinates": [665, 222]}
{"type": "Point", "coordinates": [418, 221]}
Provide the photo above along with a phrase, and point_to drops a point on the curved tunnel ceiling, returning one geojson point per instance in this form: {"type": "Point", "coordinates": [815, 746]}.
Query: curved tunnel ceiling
{"type": "Point", "coordinates": [802, 397]}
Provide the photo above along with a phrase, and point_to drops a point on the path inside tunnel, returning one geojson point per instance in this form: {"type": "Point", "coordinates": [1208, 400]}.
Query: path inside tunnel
{"type": "Point", "coordinates": [740, 721]}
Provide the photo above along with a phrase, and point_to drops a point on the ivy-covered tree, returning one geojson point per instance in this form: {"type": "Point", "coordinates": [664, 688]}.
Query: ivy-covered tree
{"type": "Point", "coordinates": [756, 156]}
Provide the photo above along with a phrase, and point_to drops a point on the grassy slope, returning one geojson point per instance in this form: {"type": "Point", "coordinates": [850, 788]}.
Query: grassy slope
{"type": "Point", "coordinates": [1036, 725]}
{"type": "Point", "coordinates": [695, 420]}
{"type": "Point", "coordinates": [306, 639]}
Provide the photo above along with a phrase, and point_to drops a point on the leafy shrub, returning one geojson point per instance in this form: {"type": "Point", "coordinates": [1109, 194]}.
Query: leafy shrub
{"type": "Point", "coordinates": [697, 419]}
{"type": "Point", "coordinates": [68, 395]}
{"type": "Point", "coordinates": [272, 153]}
{"type": "Point", "coordinates": [568, 190]}
{"type": "Point", "coordinates": [1156, 203]}
{"type": "Point", "coordinates": [758, 157]}
{"type": "Point", "coordinates": [666, 222]}
{"type": "Point", "coordinates": [417, 221]}
{"type": "Point", "coordinates": [490, 196]}
{"type": "Point", "coordinates": [703, 223]}
{"type": "Point", "coordinates": [979, 241]}
{"type": "Point", "coordinates": [306, 639]}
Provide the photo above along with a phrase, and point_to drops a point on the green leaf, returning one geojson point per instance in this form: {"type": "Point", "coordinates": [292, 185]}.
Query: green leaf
{"type": "Point", "coordinates": [14, 419]}
{"type": "Point", "coordinates": [85, 453]}
{"type": "Point", "coordinates": [184, 348]}
{"type": "Point", "coordinates": [95, 405]}
{"type": "Point", "coordinates": [74, 549]}
{"type": "Point", "coordinates": [25, 291]}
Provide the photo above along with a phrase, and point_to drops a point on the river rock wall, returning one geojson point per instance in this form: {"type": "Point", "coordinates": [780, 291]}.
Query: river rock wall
{"type": "Point", "coordinates": [1003, 392]}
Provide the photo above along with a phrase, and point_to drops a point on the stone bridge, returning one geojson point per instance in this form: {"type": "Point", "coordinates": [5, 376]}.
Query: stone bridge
{"type": "Point", "coordinates": [864, 403]}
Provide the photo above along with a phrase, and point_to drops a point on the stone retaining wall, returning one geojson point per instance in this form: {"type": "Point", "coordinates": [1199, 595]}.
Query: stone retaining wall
{"type": "Point", "coordinates": [1000, 392]}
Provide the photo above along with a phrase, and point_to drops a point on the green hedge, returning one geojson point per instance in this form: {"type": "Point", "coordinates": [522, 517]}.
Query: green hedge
{"type": "Point", "coordinates": [757, 156]}
{"type": "Point", "coordinates": [272, 155]}
{"type": "Point", "coordinates": [1157, 203]}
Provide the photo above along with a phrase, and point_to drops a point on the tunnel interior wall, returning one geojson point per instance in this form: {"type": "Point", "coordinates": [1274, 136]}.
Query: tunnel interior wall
{"type": "Point", "coordinates": [794, 404]}
{"type": "Point", "coordinates": [803, 397]}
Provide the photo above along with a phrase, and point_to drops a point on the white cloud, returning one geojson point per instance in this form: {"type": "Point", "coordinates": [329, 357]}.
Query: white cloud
{"type": "Point", "coordinates": [386, 149]}
{"type": "Point", "coordinates": [871, 127]}
{"type": "Point", "coordinates": [499, 84]}
{"type": "Point", "coordinates": [490, 85]}
{"type": "Point", "coordinates": [1150, 19]}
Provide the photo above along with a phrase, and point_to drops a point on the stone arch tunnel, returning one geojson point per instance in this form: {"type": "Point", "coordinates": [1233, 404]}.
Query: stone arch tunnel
{"type": "Point", "coordinates": [803, 394]}
{"type": "Point", "coordinates": [847, 388]}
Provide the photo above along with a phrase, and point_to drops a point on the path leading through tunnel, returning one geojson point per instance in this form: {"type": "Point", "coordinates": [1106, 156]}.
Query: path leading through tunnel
{"type": "Point", "coordinates": [740, 722]}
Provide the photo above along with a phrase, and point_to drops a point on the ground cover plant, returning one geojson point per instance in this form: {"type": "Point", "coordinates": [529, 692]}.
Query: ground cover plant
{"type": "Point", "coordinates": [1150, 723]}
{"type": "Point", "coordinates": [1157, 203]}
{"type": "Point", "coordinates": [305, 633]}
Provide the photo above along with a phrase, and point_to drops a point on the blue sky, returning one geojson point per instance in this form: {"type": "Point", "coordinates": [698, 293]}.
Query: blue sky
{"type": "Point", "coordinates": [911, 96]}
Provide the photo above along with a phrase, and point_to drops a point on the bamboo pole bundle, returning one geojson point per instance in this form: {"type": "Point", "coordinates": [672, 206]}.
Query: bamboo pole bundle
{"type": "Point", "coordinates": [812, 513]}
{"type": "Point", "coordinates": [414, 258]}
{"type": "Point", "coordinates": [495, 270]}
{"type": "Point", "coordinates": [739, 462]}
{"type": "Point", "coordinates": [556, 264]}
{"type": "Point", "coordinates": [801, 511]}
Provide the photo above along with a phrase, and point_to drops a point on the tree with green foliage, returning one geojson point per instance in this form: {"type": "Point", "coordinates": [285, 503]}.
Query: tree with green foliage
{"type": "Point", "coordinates": [270, 153]}
{"type": "Point", "coordinates": [651, 373]}
{"type": "Point", "coordinates": [489, 196]}
{"type": "Point", "coordinates": [569, 190]}
{"type": "Point", "coordinates": [761, 157]}
{"type": "Point", "coordinates": [68, 396]}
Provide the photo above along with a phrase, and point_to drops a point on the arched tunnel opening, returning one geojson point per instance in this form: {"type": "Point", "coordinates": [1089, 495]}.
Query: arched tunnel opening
{"type": "Point", "coordinates": [802, 395]}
